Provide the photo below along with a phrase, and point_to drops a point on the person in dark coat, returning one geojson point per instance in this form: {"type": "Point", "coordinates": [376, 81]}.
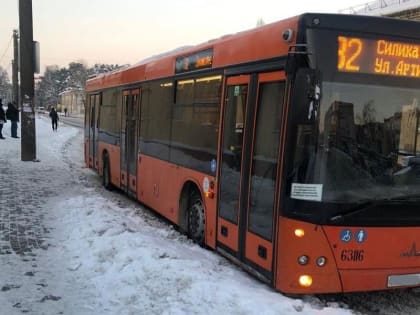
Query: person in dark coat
{"type": "Point", "coordinates": [12, 114]}
{"type": "Point", "coordinates": [2, 119]}
{"type": "Point", "coordinates": [54, 118]}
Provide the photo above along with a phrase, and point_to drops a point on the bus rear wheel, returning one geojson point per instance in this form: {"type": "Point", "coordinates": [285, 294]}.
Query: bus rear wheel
{"type": "Point", "coordinates": [196, 219]}
{"type": "Point", "coordinates": [106, 173]}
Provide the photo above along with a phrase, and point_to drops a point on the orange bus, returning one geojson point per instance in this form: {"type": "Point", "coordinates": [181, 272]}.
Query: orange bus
{"type": "Point", "coordinates": [292, 148]}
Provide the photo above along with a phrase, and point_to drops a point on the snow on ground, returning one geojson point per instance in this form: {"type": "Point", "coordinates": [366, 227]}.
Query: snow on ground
{"type": "Point", "coordinates": [105, 254]}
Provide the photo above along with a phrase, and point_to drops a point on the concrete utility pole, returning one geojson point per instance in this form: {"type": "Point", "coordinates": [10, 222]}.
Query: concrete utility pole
{"type": "Point", "coordinates": [28, 141]}
{"type": "Point", "coordinates": [15, 68]}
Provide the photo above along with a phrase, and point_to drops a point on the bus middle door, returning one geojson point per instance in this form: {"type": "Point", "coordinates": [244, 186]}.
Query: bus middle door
{"type": "Point", "coordinates": [248, 170]}
{"type": "Point", "coordinates": [129, 140]}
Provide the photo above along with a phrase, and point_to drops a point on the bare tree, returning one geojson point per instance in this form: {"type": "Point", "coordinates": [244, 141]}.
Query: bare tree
{"type": "Point", "coordinates": [56, 80]}
{"type": "Point", "coordinates": [51, 85]}
{"type": "Point", "coordinates": [5, 86]}
{"type": "Point", "coordinates": [77, 75]}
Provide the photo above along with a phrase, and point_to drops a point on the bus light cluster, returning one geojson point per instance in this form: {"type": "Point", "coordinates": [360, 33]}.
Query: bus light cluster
{"type": "Point", "coordinates": [209, 191]}
{"type": "Point", "coordinates": [306, 280]}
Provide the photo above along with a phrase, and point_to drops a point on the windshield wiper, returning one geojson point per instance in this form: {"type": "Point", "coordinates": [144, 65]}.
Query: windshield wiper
{"type": "Point", "coordinates": [364, 205]}
{"type": "Point", "coordinates": [411, 197]}
{"type": "Point", "coordinates": [361, 206]}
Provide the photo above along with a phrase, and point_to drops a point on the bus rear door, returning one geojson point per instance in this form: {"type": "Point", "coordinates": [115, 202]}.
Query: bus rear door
{"type": "Point", "coordinates": [129, 140]}
{"type": "Point", "coordinates": [252, 120]}
{"type": "Point", "coordinates": [94, 104]}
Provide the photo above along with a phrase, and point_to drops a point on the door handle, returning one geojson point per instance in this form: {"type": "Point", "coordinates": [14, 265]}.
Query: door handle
{"type": "Point", "coordinates": [224, 231]}
{"type": "Point", "coordinates": [262, 251]}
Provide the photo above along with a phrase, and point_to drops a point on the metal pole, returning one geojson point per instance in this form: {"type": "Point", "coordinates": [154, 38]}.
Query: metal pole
{"type": "Point", "coordinates": [28, 143]}
{"type": "Point", "coordinates": [15, 68]}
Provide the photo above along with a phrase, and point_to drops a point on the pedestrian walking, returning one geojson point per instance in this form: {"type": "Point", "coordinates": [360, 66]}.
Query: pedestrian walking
{"type": "Point", "coordinates": [54, 118]}
{"type": "Point", "coordinates": [12, 114]}
{"type": "Point", "coordinates": [65, 111]}
{"type": "Point", "coordinates": [2, 119]}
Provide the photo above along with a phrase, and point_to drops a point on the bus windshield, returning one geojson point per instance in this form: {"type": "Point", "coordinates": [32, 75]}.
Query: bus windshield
{"type": "Point", "coordinates": [364, 145]}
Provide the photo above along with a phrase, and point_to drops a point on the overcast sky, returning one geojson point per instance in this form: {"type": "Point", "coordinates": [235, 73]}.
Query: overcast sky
{"type": "Point", "coordinates": [126, 31]}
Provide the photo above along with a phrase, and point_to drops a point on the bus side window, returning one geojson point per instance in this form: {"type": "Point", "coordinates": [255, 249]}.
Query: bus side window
{"type": "Point", "coordinates": [236, 141]}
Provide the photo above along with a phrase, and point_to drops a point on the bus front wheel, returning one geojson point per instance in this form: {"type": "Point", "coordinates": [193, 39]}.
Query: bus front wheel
{"type": "Point", "coordinates": [196, 219]}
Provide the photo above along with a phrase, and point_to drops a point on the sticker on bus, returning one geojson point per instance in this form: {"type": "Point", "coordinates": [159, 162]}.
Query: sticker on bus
{"type": "Point", "coordinates": [213, 165]}
{"type": "Point", "coordinates": [311, 192]}
{"type": "Point", "coordinates": [360, 236]}
{"type": "Point", "coordinates": [206, 184]}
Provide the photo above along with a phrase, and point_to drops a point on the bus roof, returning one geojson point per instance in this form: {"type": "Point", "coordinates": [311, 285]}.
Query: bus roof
{"type": "Point", "coordinates": [260, 43]}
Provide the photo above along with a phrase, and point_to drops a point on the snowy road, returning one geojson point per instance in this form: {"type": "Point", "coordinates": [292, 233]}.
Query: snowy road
{"type": "Point", "coordinates": [97, 252]}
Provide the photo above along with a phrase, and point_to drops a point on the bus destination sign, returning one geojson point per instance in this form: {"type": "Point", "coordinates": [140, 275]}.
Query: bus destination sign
{"type": "Point", "coordinates": [196, 61]}
{"type": "Point", "coordinates": [378, 56]}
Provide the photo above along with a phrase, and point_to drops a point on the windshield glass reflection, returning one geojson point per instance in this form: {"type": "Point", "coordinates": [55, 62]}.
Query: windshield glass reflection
{"type": "Point", "coordinates": [365, 145]}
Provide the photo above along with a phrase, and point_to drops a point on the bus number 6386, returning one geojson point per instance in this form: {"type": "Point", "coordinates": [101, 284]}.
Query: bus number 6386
{"type": "Point", "coordinates": [352, 255]}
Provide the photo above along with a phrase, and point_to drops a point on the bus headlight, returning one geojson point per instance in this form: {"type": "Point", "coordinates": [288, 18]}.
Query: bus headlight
{"type": "Point", "coordinates": [300, 233]}
{"type": "Point", "coordinates": [321, 261]}
{"type": "Point", "coordinates": [303, 260]}
{"type": "Point", "coordinates": [305, 281]}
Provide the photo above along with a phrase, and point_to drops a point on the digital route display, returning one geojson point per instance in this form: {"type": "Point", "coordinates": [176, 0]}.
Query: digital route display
{"type": "Point", "coordinates": [378, 56]}
{"type": "Point", "coordinates": [196, 61]}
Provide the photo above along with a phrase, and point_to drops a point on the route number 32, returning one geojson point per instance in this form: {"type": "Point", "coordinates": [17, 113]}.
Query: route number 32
{"type": "Point", "coordinates": [349, 49]}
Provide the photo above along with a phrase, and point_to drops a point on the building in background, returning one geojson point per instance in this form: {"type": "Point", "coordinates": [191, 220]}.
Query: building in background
{"type": "Point", "coordinates": [73, 100]}
{"type": "Point", "coordinates": [404, 9]}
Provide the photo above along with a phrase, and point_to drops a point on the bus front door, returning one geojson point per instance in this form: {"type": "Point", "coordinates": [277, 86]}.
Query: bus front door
{"type": "Point", "coordinates": [129, 137]}
{"type": "Point", "coordinates": [252, 120]}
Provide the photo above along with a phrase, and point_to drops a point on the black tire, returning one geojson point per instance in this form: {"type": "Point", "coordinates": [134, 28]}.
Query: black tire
{"type": "Point", "coordinates": [106, 173]}
{"type": "Point", "coordinates": [196, 219]}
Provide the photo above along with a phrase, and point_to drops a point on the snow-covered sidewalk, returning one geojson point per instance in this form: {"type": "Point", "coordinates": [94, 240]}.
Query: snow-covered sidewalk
{"type": "Point", "coordinates": [84, 250]}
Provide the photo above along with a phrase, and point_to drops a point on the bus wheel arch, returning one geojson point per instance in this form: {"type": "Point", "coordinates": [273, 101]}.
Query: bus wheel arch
{"type": "Point", "coordinates": [192, 213]}
{"type": "Point", "coordinates": [106, 171]}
